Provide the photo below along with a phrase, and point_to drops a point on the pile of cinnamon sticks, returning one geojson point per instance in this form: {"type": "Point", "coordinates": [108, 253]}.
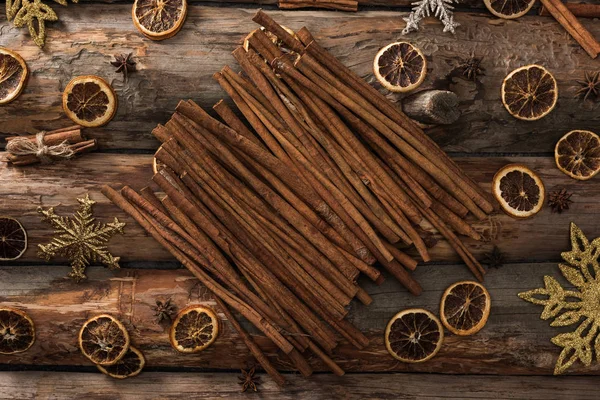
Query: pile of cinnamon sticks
{"type": "Point", "coordinates": [280, 213]}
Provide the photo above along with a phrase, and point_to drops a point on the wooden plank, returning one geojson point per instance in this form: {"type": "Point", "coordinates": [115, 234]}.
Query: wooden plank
{"type": "Point", "coordinates": [172, 386]}
{"type": "Point", "coordinates": [22, 190]}
{"type": "Point", "coordinates": [182, 67]}
{"type": "Point", "coordinates": [515, 340]}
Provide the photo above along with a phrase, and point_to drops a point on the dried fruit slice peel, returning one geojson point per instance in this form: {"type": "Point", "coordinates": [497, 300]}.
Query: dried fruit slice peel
{"type": "Point", "coordinates": [465, 308]}
{"type": "Point", "coordinates": [103, 340]}
{"type": "Point", "coordinates": [159, 19]}
{"type": "Point", "coordinates": [17, 331]}
{"type": "Point", "coordinates": [13, 239]}
{"type": "Point", "coordinates": [89, 101]}
{"type": "Point", "coordinates": [274, 39]}
{"type": "Point", "coordinates": [529, 93]}
{"type": "Point", "coordinates": [519, 191]}
{"type": "Point", "coordinates": [414, 335]}
{"type": "Point", "coordinates": [194, 329]}
{"type": "Point", "coordinates": [509, 9]}
{"type": "Point", "coordinates": [129, 366]}
{"type": "Point", "coordinates": [577, 154]}
{"type": "Point", "coordinates": [400, 67]}
{"type": "Point", "coordinates": [13, 75]}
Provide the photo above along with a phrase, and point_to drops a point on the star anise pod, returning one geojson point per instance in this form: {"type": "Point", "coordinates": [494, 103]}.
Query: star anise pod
{"type": "Point", "coordinates": [163, 311]}
{"type": "Point", "coordinates": [494, 259]}
{"type": "Point", "coordinates": [249, 381]}
{"type": "Point", "coordinates": [124, 64]}
{"type": "Point", "coordinates": [590, 86]}
{"type": "Point", "coordinates": [559, 200]}
{"type": "Point", "coordinates": [471, 68]}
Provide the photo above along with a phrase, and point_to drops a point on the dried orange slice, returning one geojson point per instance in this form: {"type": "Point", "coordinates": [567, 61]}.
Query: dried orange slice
{"type": "Point", "coordinates": [159, 19]}
{"type": "Point", "coordinates": [194, 329]}
{"type": "Point", "coordinates": [529, 93]}
{"type": "Point", "coordinates": [465, 308]}
{"type": "Point", "coordinates": [414, 335]}
{"type": "Point", "coordinates": [104, 340]}
{"type": "Point", "coordinates": [13, 239]}
{"type": "Point", "coordinates": [130, 365]}
{"type": "Point", "coordinates": [577, 154]}
{"type": "Point", "coordinates": [17, 332]}
{"type": "Point", "coordinates": [400, 67]}
{"type": "Point", "coordinates": [89, 101]}
{"type": "Point", "coordinates": [519, 190]}
{"type": "Point", "coordinates": [509, 9]}
{"type": "Point", "coordinates": [271, 36]}
{"type": "Point", "coordinates": [13, 74]}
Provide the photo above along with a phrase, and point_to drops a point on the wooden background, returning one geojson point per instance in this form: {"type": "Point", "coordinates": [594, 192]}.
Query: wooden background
{"type": "Point", "coordinates": [511, 357]}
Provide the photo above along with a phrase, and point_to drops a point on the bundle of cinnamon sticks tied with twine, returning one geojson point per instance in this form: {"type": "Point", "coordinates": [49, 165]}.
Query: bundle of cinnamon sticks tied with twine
{"type": "Point", "coordinates": [47, 147]}
{"type": "Point", "coordinates": [279, 217]}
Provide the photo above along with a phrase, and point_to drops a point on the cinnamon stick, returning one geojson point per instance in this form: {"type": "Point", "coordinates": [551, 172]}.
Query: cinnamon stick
{"type": "Point", "coordinates": [252, 346]}
{"type": "Point", "coordinates": [569, 22]}
{"type": "Point", "coordinates": [340, 5]}
{"type": "Point", "coordinates": [583, 10]}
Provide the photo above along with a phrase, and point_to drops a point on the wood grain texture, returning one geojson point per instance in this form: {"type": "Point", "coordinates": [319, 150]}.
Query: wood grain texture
{"type": "Point", "coordinates": [193, 386]}
{"type": "Point", "coordinates": [181, 68]}
{"type": "Point", "coordinates": [22, 190]}
{"type": "Point", "coordinates": [515, 340]}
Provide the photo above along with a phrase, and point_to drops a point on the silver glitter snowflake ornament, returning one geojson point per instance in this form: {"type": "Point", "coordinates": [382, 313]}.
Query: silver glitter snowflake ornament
{"type": "Point", "coordinates": [441, 9]}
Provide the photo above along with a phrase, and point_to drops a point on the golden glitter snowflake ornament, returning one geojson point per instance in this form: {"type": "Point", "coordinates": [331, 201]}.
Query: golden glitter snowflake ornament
{"type": "Point", "coordinates": [569, 307]}
{"type": "Point", "coordinates": [80, 238]}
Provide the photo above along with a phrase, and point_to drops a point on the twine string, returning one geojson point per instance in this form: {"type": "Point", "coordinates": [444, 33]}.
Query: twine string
{"type": "Point", "coordinates": [46, 154]}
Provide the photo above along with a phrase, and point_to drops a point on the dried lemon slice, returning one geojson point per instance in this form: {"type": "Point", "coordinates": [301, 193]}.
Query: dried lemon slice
{"type": "Point", "coordinates": [104, 340]}
{"type": "Point", "coordinates": [89, 101]}
{"type": "Point", "coordinates": [509, 9]}
{"type": "Point", "coordinates": [519, 191]}
{"type": "Point", "coordinates": [130, 365]}
{"type": "Point", "coordinates": [17, 332]}
{"type": "Point", "coordinates": [274, 39]}
{"type": "Point", "coordinates": [577, 154]}
{"type": "Point", "coordinates": [400, 67]}
{"type": "Point", "coordinates": [194, 329]}
{"type": "Point", "coordinates": [414, 335]}
{"type": "Point", "coordinates": [529, 93]}
{"type": "Point", "coordinates": [13, 239]}
{"type": "Point", "coordinates": [465, 308]}
{"type": "Point", "coordinates": [13, 75]}
{"type": "Point", "coordinates": [159, 19]}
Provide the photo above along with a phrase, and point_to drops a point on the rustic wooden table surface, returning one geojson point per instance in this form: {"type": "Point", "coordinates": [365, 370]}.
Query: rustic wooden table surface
{"type": "Point", "coordinates": [512, 357]}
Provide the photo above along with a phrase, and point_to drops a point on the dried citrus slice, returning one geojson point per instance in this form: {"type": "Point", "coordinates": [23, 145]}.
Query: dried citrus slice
{"type": "Point", "coordinates": [271, 36]}
{"type": "Point", "coordinates": [130, 365]}
{"type": "Point", "coordinates": [577, 154]}
{"type": "Point", "coordinates": [194, 329]}
{"type": "Point", "coordinates": [159, 19]}
{"type": "Point", "coordinates": [400, 67]}
{"type": "Point", "coordinates": [103, 339]}
{"type": "Point", "coordinates": [509, 9]}
{"type": "Point", "coordinates": [414, 335]}
{"type": "Point", "coordinates": [13, 239]}
{"type": "Point", "coordinates": [465, 308]}
{"type": "Point", "coordinates": [519, 190]}
{"type": "Point", "coordinates": [13, 74]}
{"type": "Point", "coordinates": [529, 92]}
{"type": "Point", "coordinates": [89, 101]}
{"type": "Point", "coordinates": [17, 332]}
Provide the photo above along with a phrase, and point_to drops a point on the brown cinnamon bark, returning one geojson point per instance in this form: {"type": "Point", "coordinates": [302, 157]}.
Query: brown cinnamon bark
{"type": "Point", "coordinates": [340, 5]}
{"type": "Point", "coordinates": [578, 10]}
{"type": "Point", "coordinates": [161, 236]}
{"type": "Point", "coordinates": [568, 21]}
{"type": "Point", "coordinates": [78, 148]}
{"type": "Point", "coordinates": [252, 346]}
